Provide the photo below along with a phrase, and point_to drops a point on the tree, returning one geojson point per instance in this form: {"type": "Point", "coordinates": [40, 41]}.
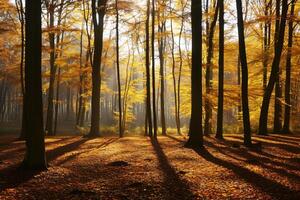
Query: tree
{"type": "Point", "coordinates": [277, 126]}
{"type": "Point", "coordinates": [244, 66]}
{"type": "Point", "coordinates": [209, 71]}
{"type": "Point", "coordinates": [118, 70]}
{"type": "Point", "coordinates": [287, 112]}
{"type": "Point", "coordinates": [153, 69]}
{"type": "Point", "coordinates": [195, 131]}
{"type": "Point", "coordinates": [20, 11]}
{"type": "Point", "coordinates": [148, 87]}
{"type": "Point", "coordinates": [161, 50]}
{"type": "Point", "coordinates": [35, 144]}
{"type": "Point", "coordinates": [219, 134]}
{"type": "Point", "coordinates": [98, 13]}
{"type": "Point", "coordinates": [263, 120]}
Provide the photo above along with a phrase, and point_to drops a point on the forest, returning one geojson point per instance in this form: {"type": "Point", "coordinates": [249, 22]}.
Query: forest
{"type": "Point", "coordinates": [149, 99]}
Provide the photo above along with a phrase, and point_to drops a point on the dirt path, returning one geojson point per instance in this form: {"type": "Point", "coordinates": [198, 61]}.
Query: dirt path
{"type": "Point", "coordinates": [140, 168]}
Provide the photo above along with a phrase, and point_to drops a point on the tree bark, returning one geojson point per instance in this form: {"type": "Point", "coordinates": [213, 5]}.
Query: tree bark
{"type": "Point", "coordinates": [35, 145]}
{"type": "Point", "coordinates": [195, 131]}
{"type": "Point", "coordinates": [219, 134]}
{"type": "Point", "coordinates": [148, 84]}
{"type": "Point", "coordinates": [263, 121]}
{"type": "Point", "coordinates": [244, 67]}
{"type": "Point", "coordinates": [161, 49]}
{"type": "Point", "coordinates": [118, 71]}
{"type": "Point", "coordinates": [98, 13]}
{"type": "Point", "coordinates": [153, 70]}
{"type": "Point", "coordinates": [278, 90]}
{"type": "Point", "coordinates": [287, 113]}
{"type": "Point", "coordinates": [209, 72]}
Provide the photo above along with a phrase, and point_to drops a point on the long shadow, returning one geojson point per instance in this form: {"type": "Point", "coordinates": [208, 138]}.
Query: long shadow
{"type": "Point", "coordinates": [18, 150]}
{"type": "Point", "coordinates": [57, 152]}
{"type": "Point", "coordinates": [290, 137]}
{"type": "Point", "coordinates": [276, 190]}
{"type": "Point", "coordinates": [259, 161]}
{"type": "Point", "coordinates": [286, 147]}
{"type": "Point", "coordinates": [177, 188]}
{"type": "Point", "coordinates": [292, 140]}
{"type": "Point", "coordinates": [13, 175]}
{"type": "Point", "coordinates": [251, 157]}
{"type": "Point", "coordinates": [102, 145]}
{"type": "Point", "coordinates": [176, 139]}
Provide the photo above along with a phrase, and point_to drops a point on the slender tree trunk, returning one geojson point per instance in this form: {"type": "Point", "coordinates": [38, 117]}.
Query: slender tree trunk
{"type": "Point", "coordinates": [266, 46]}
{"type": "Point", "coordinates": [118, 71]}
{"type": "Point", "coordinates": [35, 145]}
{"type": "Point", "coordinates": [209, 72]}
{"type": "Point", "coordinates": [81, 87]}
{"type": "Point", "coordinates": [244, 66]}
{"type": "Point", "coordinates": [263, 121]}
{"type": "Point", "coordinates": [57, 101]}
{"type": "Point", "coordinates": [49, 120]}
{"type": "Point", "coordinates": [278, 91]}
{"type": "Point", "coordinates": [148, 84]}
{"type": "Point", "coordinates": [20, 10]}
{"type": "Point", "coordinates": [161, 48]}
{"type": "Point", "coordinates": [219, 134]}
{"type": "Point", "coordinates": [153, 70]}
{"type": "Point", "coordinates": [177, 118]}
{"type": "Point", "coordinates": [287, 113]}
{"type": "Point", "coordinates": [196, 131]}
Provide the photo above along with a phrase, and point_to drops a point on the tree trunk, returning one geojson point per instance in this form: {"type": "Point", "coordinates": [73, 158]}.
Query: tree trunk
{"type": "Point", "coordinates": [49, 120]}
{"type": "Point", "coordinates": [263, 121]}
{"type": "Point", "coordinates": [118, 71]}
{"type": "Point", "coordinates": [98, 12]}
{"type": "Point", "coordinates": [56, 102]}
{"type": "Point", "coordinates": [278, 91]}
{"type": "Point", "coordinates": [35, 145]}
{"type": "Point", "coordinates": [153, 70]}
{"type": "Point", "coordinates": [161, 49]}
{"type": "Point", "coordinates": [287, 113]}
{"type": "Point", "coordinates": [219, 134]}
{"type": "Point", "coordinates": [148, 84]}
{"type": "Point", "coordinates": [244, 67]}
{"type": "Point", "coordinates": [209, 72]}
{"type": "Point", "coordinates": [196, 132]}
{"type": "Point", "coordinates": [20, 10]}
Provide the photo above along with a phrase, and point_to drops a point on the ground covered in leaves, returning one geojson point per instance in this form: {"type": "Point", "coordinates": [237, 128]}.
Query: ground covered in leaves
{"type": "Point", "coordinates": [141, 168]}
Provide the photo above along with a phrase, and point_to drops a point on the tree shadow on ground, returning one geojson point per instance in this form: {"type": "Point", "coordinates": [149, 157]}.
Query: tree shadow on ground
{"type": "Point", "coordinates": [257, 160]}
{"type": "Point", "coordinates": [101, 145]}
{"type": "Point", "coordinates": [177, 188]}
{"type": "Point", "coordinates": [276, 190]}
{"type": "Point", "coordinates": [8, 154]}
{"type": "Point", "coordinates": [268, 141]}
{"type": "Point", "coordinates": [14, 175]}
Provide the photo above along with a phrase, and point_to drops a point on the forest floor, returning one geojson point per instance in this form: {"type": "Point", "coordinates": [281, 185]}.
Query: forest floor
{"type": "Point", "coordinates": [141, 168]}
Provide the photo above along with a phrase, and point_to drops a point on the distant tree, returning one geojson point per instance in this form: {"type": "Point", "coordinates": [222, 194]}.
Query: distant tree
{"type": "Point", "coordinates": [244, 66]}
{"type": "Point", "coordinates": [35, 144]}
{"type": "Point", "coordinates": [196, 132]}
{"type": "Point", "coordinates": [21, 13]}
{"type": "Point", "coordinates": [118, 70]}
{"type": "Point", "coordinates": [287, 112]}
{"type": "Point", "coordinates": [209, 71]}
